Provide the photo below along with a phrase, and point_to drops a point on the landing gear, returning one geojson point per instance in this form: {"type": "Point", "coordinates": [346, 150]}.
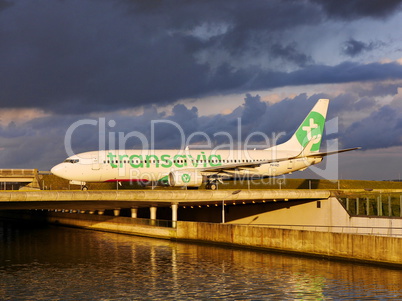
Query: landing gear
{"type": "Point", "coordinates": [211, 186]}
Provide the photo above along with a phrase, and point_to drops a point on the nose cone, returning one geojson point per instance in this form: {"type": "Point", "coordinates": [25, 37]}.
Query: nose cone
{"type": "Point", "coordinates": [59, 170]}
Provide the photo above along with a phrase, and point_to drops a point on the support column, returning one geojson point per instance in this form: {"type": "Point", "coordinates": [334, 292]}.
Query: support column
{"type": "Point", "coordinates": [174, 215]}
{"type": "Point", "coordinates": [367, 206]}
{"type": "Point", "coordinates": [357, 206]}
{"type": "Point", "coordinates": [116, 212]}
{"type": "Point", "coordinates": [134, 211]}
{"type": "Point", "coordinates": [400, 205]}
{"type": "Point", "coordinates": [101, 212]}
{"type": "Point", "coordinates": [389, 206]}
{"type": "Point", "coordinates": [153, 212]}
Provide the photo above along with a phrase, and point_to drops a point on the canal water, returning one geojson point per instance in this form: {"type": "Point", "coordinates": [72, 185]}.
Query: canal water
{"type": "Point", "coordinates": [56, 263]}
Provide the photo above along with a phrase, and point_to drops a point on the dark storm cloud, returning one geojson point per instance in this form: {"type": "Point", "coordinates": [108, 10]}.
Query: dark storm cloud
{"type": "Point", "coordinates": [377, 89]}
{"type": "Point", "coordinates": [290, 53]}
{"type": "Point", "coordinates": [350, 102]}
{"type": "Point", "coordinates": [5, 4]}
{"type": "Point", "coordinates": [382, 129]}
{"type": "Point", "coordinates": [91, 56]}
{"type": "Point", "coordinates": [353, 47]}
{"type": "Point", "coordinates": [321, 74]}
{"type": "Point", "coordinates": [352, 9]}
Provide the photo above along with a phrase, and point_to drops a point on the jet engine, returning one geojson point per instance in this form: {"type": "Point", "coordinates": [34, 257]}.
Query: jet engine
{"type": "Point", "coordinates": [192, 178]}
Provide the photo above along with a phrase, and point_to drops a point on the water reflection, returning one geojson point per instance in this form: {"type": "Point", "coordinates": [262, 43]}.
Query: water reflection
{"type": "Point", "coordinates": [45, 263]}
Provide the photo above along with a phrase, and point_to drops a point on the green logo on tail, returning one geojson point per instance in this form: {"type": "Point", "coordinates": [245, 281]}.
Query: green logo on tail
{"type": "Point", "coordinates": [311, 128]}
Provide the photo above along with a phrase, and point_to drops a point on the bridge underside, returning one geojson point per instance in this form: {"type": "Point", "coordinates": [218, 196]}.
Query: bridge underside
{"type": "Point", "coordinates": [293, 209]}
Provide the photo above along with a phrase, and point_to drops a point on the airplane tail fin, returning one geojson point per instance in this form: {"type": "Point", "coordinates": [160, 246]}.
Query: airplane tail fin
{"type": "Point", "coordinates": [310, 129]}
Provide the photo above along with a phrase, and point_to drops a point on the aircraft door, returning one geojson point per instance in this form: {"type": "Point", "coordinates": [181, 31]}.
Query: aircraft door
{"type": "Point", "coordinates": [290, 164]}
{"type": "Point", "coordinates": [95, 163]}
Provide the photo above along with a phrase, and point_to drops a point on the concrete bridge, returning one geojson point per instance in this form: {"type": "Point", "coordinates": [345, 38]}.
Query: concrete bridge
{"type": "Point", "coordinates": [289, 208]}
{"type": "Point", "coordinates": [19, 177]}
{"type": "Point", "coordinates": [111, 199]}
{"type": "Point", "coordinates": [100, 201]}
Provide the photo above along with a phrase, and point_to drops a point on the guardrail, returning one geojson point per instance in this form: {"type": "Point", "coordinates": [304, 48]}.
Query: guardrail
{"type": "Point", "coordinates": [122, 220]}
{"type": "Point", "coordinates": [153, 222]}
{"type": "Point", "coordinates": [378, 204]}
{"type": "Point", "coordinates": [382, 231]}
{"type": "Point", "coordinates": [17, 172]}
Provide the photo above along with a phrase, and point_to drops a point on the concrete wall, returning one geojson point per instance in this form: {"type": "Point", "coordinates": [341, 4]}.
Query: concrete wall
{"type": "Point", "coordinates": [326, 212]}
{"type": "Point", "coordinates": [110, 224]}
{"type": "Point", "coordinates": [324, 215]}
{"type": "Point", "coordinates": [369, 248]}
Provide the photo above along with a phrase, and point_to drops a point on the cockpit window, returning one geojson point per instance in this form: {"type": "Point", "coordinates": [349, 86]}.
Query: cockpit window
{"type": "Point", "coordinates": [71, 161]}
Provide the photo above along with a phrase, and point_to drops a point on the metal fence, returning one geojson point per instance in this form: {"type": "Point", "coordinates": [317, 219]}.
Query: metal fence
{"type": "Point", "coordinates": [121, 220]}
{"type": "Point", "coordinates": [152, 222]}
{"type": "Point", "coordinates": [388, 205]}
{"type": "Point", "coordinates": [382, 231]}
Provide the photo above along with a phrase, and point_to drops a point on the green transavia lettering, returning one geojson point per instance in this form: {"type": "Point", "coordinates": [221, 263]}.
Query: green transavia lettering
{"type": "Point", "coordinates": [164, 161]}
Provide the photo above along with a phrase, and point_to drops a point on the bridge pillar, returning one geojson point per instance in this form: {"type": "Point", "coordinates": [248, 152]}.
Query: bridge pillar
{"type": "Point", "coordinates": [101, 212]}
{"type": "Point", "coordinates": [116, 212]}
{"type": "Point", "coordinates": [174, 214]}
{"type": "Point", "coordinates": [134, 211]}
{"type": "Point", "coordinates": [152, 211]}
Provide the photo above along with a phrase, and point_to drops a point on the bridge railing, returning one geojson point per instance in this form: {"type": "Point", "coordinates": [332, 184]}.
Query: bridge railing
{"type": "Point", "coordinates": [18, 172]}
{"type": "Point", "coordinates": [378, 204]}
{"type": "Point", "coordinates": [121, 219]}
{"type": "Point", "coordinates": [363, 230]}
{"type": "Point", "coordinates": [153, 222]}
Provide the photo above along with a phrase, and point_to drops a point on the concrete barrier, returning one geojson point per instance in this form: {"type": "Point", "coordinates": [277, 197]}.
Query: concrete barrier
{"type": "Point", "coordinates": [123, 225]}
{"type": "Point", "coordinates": [368, 248]}
{"type": "Point", "coordinates": [356, 247]}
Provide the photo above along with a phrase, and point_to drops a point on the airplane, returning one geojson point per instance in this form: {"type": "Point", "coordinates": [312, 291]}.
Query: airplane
{"type": "Point", "coordinates": [192, 168]}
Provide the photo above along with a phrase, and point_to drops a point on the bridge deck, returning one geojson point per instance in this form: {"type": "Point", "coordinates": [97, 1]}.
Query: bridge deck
{"type": "Point", "coordinates": [144, 198]}
{"type": "Point", "coordinates": [17, 175]}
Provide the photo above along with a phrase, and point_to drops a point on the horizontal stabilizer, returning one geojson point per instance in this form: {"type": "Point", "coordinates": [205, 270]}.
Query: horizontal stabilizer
{"type": "Point", "coordinates": [333, 152]}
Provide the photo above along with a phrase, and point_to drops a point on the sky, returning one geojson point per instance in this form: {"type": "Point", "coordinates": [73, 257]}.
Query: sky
{"type": "Point", "coordinates": [139, 67]}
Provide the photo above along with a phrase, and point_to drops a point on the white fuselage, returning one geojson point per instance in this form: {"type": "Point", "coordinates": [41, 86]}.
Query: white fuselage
{"type": "Point", "coordinates": [155, 165]}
